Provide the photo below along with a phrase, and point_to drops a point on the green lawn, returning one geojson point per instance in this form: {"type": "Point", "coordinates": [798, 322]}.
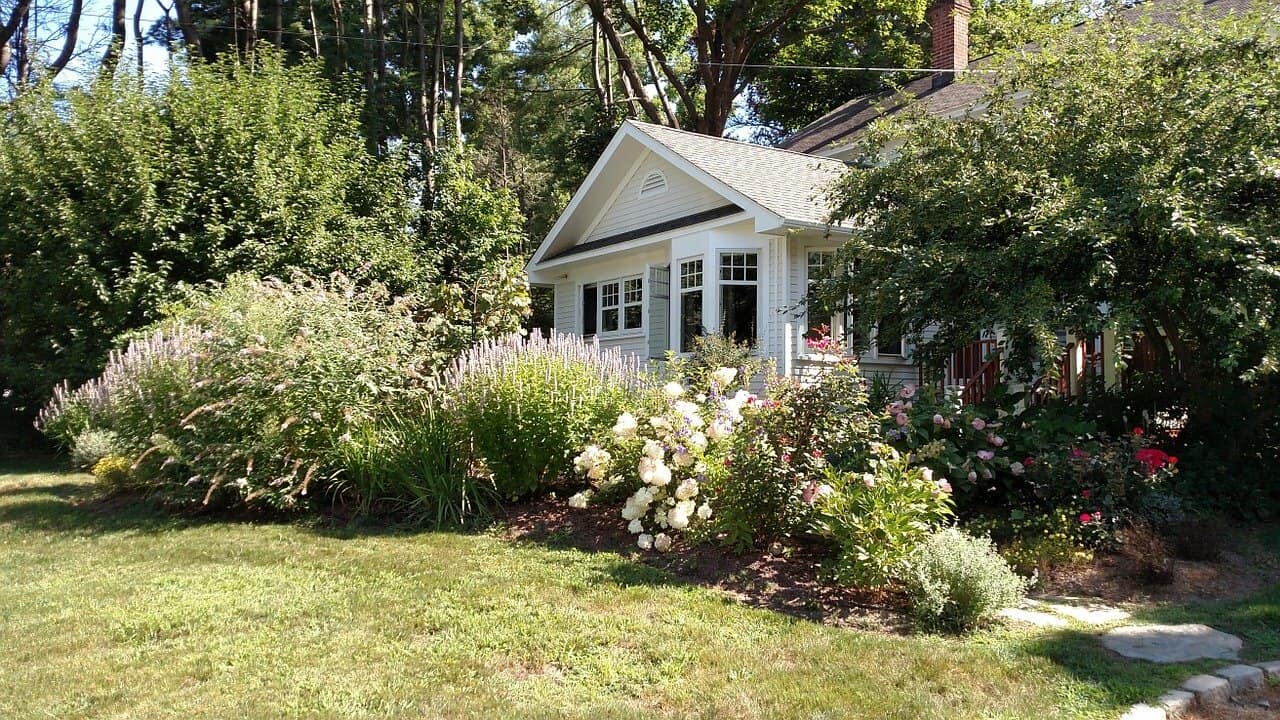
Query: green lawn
{"type": "Point", "coordinates": [129, 613]}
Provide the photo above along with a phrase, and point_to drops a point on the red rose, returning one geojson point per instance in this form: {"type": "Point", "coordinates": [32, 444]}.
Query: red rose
{"type": "Point", "coordinates": [1137, 432]}
{"type": "Point", "coordinates": [1085, 517]}
{"type": "Point", "coordinates": [1085, 493]}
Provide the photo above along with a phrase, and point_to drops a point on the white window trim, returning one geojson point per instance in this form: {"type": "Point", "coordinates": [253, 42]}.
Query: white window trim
{"type": "Point", "coordinates": [836, 321]}
{"type": "Point", "coordinates": [643, 304]}
{"type": "Point", "coordinates": [719, 254]}
{"type": "Point", "coordinates": [678, 290]}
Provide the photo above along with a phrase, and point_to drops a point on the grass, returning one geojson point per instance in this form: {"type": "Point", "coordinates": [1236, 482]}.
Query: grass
{"type": "Point", "coordinates": [115, 611]}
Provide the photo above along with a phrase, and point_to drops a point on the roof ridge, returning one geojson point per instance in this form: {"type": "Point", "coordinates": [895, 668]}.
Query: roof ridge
{"type": "Point", "coordinates": [667, 128]}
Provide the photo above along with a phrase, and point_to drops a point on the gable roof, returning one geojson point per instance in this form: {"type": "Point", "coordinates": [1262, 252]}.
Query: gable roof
{"type": "Point", "coordinates": [789, 184]}
{"type": "Point", "coordinates": [954, 98]}
{"type": "Point", "coordinates": [777, 188]}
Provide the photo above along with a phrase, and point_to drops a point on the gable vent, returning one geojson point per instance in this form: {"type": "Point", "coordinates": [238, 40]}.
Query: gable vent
{"type": "Point", "coordinates": [654, 183]}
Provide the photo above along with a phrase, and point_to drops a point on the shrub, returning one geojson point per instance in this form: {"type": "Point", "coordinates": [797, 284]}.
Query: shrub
{"type": "Point", "coordinates": [113, 474]}
{"type": "Point", "coordinates": [248, 393]}
{"type": "Point", "coordinates": [93, 444]}
{"type": "Point", "coordinates": [530, 404]}
{"type": "Point", "coordinates": [415, 462]}
{"type": "Point", "coordinates": [877, 518]}
{"type": "Point", "coordinates": [956, 582]}
{"type": "Point", "coordinates": [664, 456]}
{"type": "Point", "coordinates": [712, 352]}
{"type": "Point", "coordinates": [1143, 547]}
{"type": "Point", "coordinates": [1035, 544]}
{"type": "Point", "coordinates": [778, 458]}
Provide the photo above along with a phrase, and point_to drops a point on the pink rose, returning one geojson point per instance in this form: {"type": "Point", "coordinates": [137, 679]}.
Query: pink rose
{"type": "Point", "coordinates": [979, 424]}
{"type": "Point", "coordinates": [938, 420]}
{"type": "Point", "coordinates": [901, 419]}
{"type": "Point", "coordinates": [985, 455]}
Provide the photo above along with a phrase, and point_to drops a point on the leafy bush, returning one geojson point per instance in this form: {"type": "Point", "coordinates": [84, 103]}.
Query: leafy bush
{"type": "Point", "coordinates": [114, 196]}
{"type": "Point", "coordinates": [113, 474]}
{"type": "Point", "coordinates": [777, 461]}
{"type": "Point", "coordinates": [712, 352]}
{"type": "Point", "coordinates": [93, 444]}
{"type": "Point", "coordinates": [956, 582]}
{"type": "Point", "coordinates": [1035, 544]}
{"type": "Point", "coordinates": [249, 392]}
{"type": "Point", "coordinates": [530, 404]}
{"type": "Point", "coordinates": [878, 518]}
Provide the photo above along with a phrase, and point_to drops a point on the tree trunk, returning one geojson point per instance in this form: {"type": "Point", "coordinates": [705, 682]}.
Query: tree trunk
{"type": "Point", "coordinates": [437, 67]}
{"type": "Point", "coordinates": [459, 67]}
{"type": "Point", "coordinates": [24, 52]}
{"type": "Point", "coordinates": [68, 41]}
{"type": "Point", "coordinates": [190, 35]}
{"type": "Point", "coordinates": [653, 52]}
{"type": "Point", "coordinates": [632, 80]}
{"type": "Point", "coordinates": [340, 33]}
{"type": "Point", "coordinates": [595, 63]}
{"type": "Point", "coordinates": [10, 29]}
{"type": "Point", "coordinates": [315, 28]}
{"type": "Point", "coordinates": [116, 43]}
{"type": "Point", "coordinates": [137, 33]}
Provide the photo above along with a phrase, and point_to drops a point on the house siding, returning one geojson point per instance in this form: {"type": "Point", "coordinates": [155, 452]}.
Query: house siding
{"type": "Point", "coordinates": [628, 211]}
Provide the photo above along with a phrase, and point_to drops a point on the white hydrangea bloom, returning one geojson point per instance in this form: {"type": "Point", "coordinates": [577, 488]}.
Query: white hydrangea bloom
{"type": "Point", "coordinates": [654, 450]}
{"type": "Point", "coordinates": [654, 472]}
{"type": "Point", "coordinates": [704, 511]}
{"type": "Point", "coordinates": [687, 489]}
{"type": "Point", "coordinates": [673, 389]}
{"type": "Point", "coordinates": [697, 441]}
{"type": "Point", "coordinates": [635, 527]}
{"type": "Point", "coordinates": [579, 500]}
{"type": "Point", "coordinates": [626, 427]}
{"type": "Point", "coordinates": [662, 542]}
{"type": "Point", "coordinates": [724, 376]}
{"type": "Point", "coordinates": [645, 541]}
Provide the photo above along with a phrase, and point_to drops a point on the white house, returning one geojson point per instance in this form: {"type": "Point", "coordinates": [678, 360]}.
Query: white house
{"type": "Point", "coordinates": [674, 234]}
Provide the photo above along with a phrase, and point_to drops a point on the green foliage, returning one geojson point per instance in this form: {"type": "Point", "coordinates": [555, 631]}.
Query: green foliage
{"type": "Point", "coordinates": [415, 462]}
{"type": "Point", "coordinates": [530, 404]}
{"type": "Point", "coordinates": [93, 444]}
{"type": "Point", "coordinates": [113, 473]}
{"type": "Point", "coordinates": [1034, 544]}
{"type": "Point", "coordinates": [778, 455]}
{"type": "Point", "coordinates": [957, 582]}
{"type": "Point", "coordinates": [114, 195]}
{"type": "Point", "coordinates": [712, 352]}
{"type": "Point", "coordinates": [248, 392]}
{"type": "Point", "coordinates": [1073, 202]}
{"type": "Point", "coordinates": [877, 518]}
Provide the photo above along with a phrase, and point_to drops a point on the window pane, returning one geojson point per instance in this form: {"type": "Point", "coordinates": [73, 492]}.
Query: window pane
{"type": "Point", "coordinates": [609, 295]}
{"type": "Point", "coordinates": [739, 267]}
{"type": "Point", "coordinates": [690, 318]}
{"type": "Point", "coordinates": [738, 312]}
{"type": "Point", "coordinates": [889, 336]}
{"type": "Point", "coordinates": [589, 309]}
{"type": "Point", "coordinates": [609, 320]}
{"type": "Point", "coordinates": [690, 274]}
{"type": "Point", "coordinates": [631, 316]}
{"type": "Point", "coordinates": [633, 291]}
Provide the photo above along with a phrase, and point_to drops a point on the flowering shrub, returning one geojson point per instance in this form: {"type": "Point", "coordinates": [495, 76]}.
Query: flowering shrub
{"type": "Point", "coordinates": [250, 391]}
{"type": "Point", "coordinates": [112, 473]}
{"type": "Point", "coordinates": [94, 444]}
{"type": "Point", "coordinates": [529, 403]}
{"type": "Point", "coordinates": [663, 457]}
{"type": "Point", "coordinates": [877, 518]}
{"type": "Point", "coordinates": [777, 460]}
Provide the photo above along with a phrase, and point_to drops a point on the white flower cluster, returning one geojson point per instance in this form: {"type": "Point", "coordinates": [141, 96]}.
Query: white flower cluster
{"type": "Point", "coordinates": [673, 452]}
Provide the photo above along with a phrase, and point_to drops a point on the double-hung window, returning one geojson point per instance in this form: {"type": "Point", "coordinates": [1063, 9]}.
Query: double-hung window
{"type": "Point", "coordinates": [690, 302]}
{"type": "Point", "coordinates": [739, 296]}
{"type": "Point", "coordinates": [621, 306]}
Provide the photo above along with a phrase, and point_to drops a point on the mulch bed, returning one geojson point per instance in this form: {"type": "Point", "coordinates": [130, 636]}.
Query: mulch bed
{"type": "Point", "coordinates": [784, 579]}
{"type": "Point", "coordinates": [787, 579]}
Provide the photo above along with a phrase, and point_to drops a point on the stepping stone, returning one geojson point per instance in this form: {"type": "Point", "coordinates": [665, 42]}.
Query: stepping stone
{"type": "Point", "coordinates": [1209, 690]}
{"type": "Point", "coordinates": [1242, 677]}
{"type": "Point", "coordinates": [1090, 613]}
{"type": "Point", "coordinates": [1144, 712]}
{"type": "Point", "coordinates": [1176, 702]}
{"type": "Point", "coordinates": [1272, 669]}
{"type": "Point", "coordinates": [1033, 617]}
{"type": "Point", "coordinates": [1172, 643]}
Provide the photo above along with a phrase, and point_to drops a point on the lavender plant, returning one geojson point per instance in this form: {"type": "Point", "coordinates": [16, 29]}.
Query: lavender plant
{"type": "Point", "coordinates": [529, 403]}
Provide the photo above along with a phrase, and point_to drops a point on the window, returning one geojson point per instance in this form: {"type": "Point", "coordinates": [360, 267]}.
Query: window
{"type": "Point", "coordinates": [654, 183]}
{"type": "Point", "coordinates": [621, 305]}
{"type": "Point", "coordinates": [739, 296]}
{"type": "Point", "coordinates": [890, 344]}
{"type": "Point", "coordinates": [690, 303]}
{"type": "Point", "coordinates": [590, 310]}
{"type": "Point", "coordinates": [818, 267]}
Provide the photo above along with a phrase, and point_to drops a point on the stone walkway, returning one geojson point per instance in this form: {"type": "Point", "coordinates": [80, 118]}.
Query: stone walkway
{"type": "Point", "coordinates": [1159, 644]}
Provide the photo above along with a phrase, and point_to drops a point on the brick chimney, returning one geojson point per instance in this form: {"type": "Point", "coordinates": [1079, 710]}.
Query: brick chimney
{"type": "Point", "coordinates": [949, 24]}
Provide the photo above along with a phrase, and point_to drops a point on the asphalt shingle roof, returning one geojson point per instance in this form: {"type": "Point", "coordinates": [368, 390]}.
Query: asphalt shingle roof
{"type": "Point", "coordinates": [789, 184]}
